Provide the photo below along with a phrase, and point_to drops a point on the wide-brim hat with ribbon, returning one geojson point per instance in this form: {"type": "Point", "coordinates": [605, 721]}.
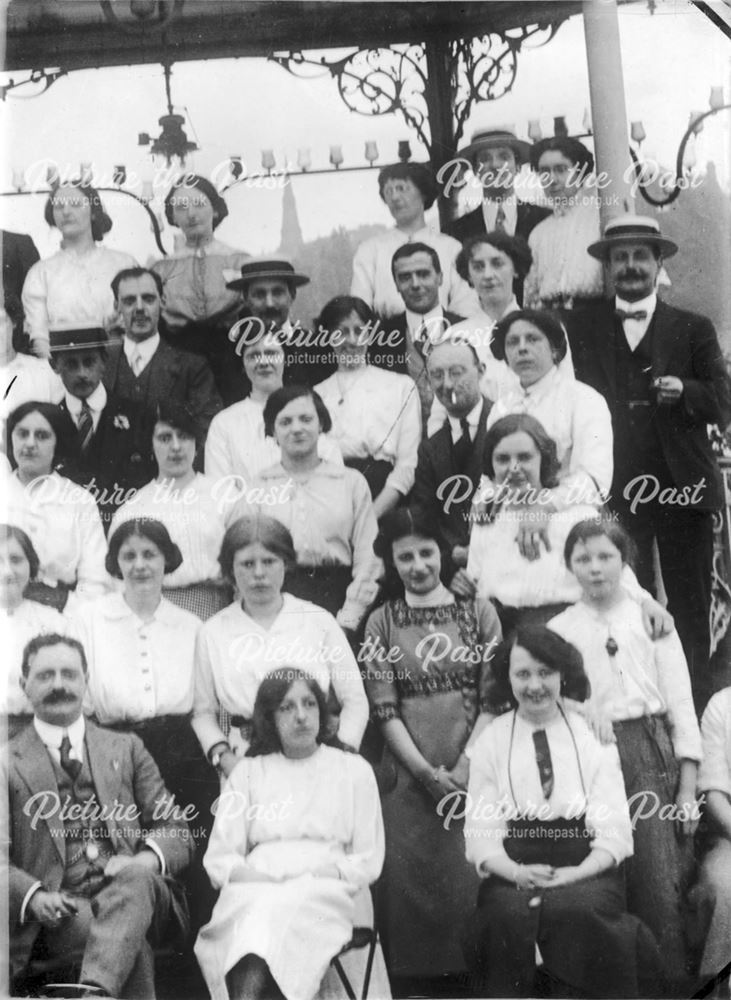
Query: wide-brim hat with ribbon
{"type": "Point", "coordinates": [265, 269]}
{"type": "Point", "coordinates": [632, 229]}
{"type": "Point", "coordinates": [78, 337]}
{"type": "Point", "coordinates": [486, 138]}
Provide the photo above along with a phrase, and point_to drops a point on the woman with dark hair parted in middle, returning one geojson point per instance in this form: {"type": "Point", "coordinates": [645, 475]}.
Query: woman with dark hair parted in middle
{"type": "Point", "coordinates": [426, 656]}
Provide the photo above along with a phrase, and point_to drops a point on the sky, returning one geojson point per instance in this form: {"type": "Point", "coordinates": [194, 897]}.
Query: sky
{"type": "Point", "coordinates": [241, 106]}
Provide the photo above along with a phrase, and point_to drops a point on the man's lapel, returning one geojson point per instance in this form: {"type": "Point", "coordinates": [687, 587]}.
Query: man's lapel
{"type": "Point", "coordinates": [105, 763]}
{"type": "Point", "coordinates": [33, 764]}
{"type": "Point", "coordinates": [667, 335]}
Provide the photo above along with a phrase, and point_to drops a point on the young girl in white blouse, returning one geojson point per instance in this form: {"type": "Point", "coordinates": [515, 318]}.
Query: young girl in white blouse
{"type": "Point", "coordinates": [641, 698]}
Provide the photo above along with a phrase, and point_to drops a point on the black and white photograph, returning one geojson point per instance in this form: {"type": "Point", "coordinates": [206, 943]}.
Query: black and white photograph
{"type": "Point", "coordinates": [365, 499]}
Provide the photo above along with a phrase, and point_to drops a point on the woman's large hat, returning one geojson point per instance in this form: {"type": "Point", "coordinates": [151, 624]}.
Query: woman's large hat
{"type": "Point", "coordinates": [632, 229]}
{"type": "Point", "coordinates": [266, 269]}
{"type": "Point", "coordinates": [486, 138]}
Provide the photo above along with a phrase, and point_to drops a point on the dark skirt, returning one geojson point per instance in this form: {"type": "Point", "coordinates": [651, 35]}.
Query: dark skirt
{"type": "Point", "coordinates": [322, 585]}
{"type": "Point", "coordinates": [590, 945]}
{"type": "Point", "coordinates": [376, 472]}
{"type": "Point", "coordinates": [660, 871]}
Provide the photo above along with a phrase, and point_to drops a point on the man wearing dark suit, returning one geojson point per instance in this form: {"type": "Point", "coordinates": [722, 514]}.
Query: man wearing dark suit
{"type": "Point", "coordinates": [662, 373]}
{"type": "Point", "coordinates": [103, 457]}
{"type": "Point", "coordinates": [144, 371]}
{"type": "Point", "coordinates": [496, 156]}
{"type": "Point", "coordinates": [449, 463]}
{"type": "Point", "coordinates": [19, 256]}
{"type": "Point", "coordinates": [400, 343]}
{"type": "Point", "coordinates": [96, 838]}
{"type": "Point", "coordinates": [269, 288]}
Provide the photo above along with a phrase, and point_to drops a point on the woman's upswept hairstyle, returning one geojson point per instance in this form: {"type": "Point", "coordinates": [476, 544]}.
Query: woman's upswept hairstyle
{"type": "Point", "coordinates": [100, 221]}
{"type": "Point", "coordinates": [249, 530]}
{"type": "Point", "coordinates": [219, 206]}
{"type": "Point", "coordinates": [8, 531]}
{"type": "Point", "coordinates": [514, 247]}
{"type": "Point", "coordinates": [337, 309]}
{"type": "Point", "coordinates": [514, 423]}
{"type": "Point", "coordinates": [549, 648]}
{"type": "Point", "coordinates": [272, 692]}
{"type": "Point", "coordinates": [420, 175]}
{"type": "Point", "coordinates": [181, 418]}
{"type": "Point", "coordinates": [64, 444]}
{"type": "Point", "coordinates": [142, 527]}
{"type": "Point", "coordinates": [400, 523]}
{"type": "Point", "coordinates": [550, 326]}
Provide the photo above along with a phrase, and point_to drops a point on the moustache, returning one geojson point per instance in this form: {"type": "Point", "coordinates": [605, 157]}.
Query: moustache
{"type": "Point", "coordinates": [56, 697]}
{"type": "Point", "coordinates": [631, 274]}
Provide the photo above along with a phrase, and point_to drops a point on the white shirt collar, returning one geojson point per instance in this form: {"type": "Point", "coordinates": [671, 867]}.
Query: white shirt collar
{"type": "Point", "coordinates": [97, 401]}
{"type": "Point", "coordinates": [473, 419]}
{"type": "Point", "coordinates": [146, 348]}
{"type": "Point", "coordinates": [510, 207]}
{"type": "Point", "coordinates": [544, 384]}
{"type": "Point", "coordinates": [51, 736]}
{"type": "Point", "coordinates": [434, 599]}
{"type": "Point", "coordinates": [414, 321]}
{"type": "Point", "coordinates": [648, 304]}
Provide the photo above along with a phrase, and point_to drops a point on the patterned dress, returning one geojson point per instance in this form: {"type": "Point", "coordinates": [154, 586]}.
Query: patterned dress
{"type": "Point", "coordinates": [426, 666]}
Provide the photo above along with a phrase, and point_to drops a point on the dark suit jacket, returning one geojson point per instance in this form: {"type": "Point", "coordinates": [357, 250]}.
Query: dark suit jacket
{"type": "Point", "coordinates": [438, 488]}
{"type": "Point", "coordinates": [473, 223]}
{"type": "Point", "coordinates": [685, 345]}
{"type": "Point", "coordinates": [123, 773]}
{"type": "Point", "coordinates": [19, 255]}
{"type": "Point", "coordinates": [388, 349]}
{"type": "Point", "coordinates": [174, 377]}
{"type": "Point", "coordinates": [110, 466]}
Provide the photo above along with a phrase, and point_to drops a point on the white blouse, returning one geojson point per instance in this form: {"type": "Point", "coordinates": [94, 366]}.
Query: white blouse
{"type": "Point", "coordinates": [578, 419]}
{"type": "Point", "coordinates": [63, 523]}
{"type": "Point", "coordinates": [27, 379]}
{"type": "Point", "coordinates": [562, 268]}
{"type": "Point", "coordinates": [376, 414]}
{"type": "Point", "coordinates": [236, 446]}
{"type": "Point", "coordinates": [234, 653]}
{"type": "Point", "coordinates": [17, 628]}
{"type": "Point", "coordinates": [505, 783]}
{"type": "Point", "coordinates": [137, 670]}
{"type": "Point", "coordinates": [195, 519]}
{"type": "Point", "coordinates": [373, 281]}
{"type": "Point", "coordinates": [644, 677]}
{"type": "Point", "coordinates": [72, 287]}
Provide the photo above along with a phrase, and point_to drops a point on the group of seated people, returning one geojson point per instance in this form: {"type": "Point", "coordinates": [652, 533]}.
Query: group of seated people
{"type": "Point", "coordinates": [290, 612]}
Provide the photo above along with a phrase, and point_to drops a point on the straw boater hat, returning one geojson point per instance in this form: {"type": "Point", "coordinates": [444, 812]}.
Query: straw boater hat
{"type": "Point", "coordinates": [265, 268]}
{"type": "Point", "coordinates": [503, 135]}
{"type": "Point", "coordinates": [632, 229]}
{"type": "Point", "coordinates": [78, 337]}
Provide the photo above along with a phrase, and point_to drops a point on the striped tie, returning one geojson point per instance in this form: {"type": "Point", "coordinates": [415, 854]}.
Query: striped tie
{"type": "Point", "coordinates": [500, 217]}
{"type": "Point", "coordinates": [85, 425]}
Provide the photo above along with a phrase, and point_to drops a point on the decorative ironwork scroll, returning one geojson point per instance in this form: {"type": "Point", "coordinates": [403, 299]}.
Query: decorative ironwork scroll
{"type": "Point", "coordinates": [388, 80]}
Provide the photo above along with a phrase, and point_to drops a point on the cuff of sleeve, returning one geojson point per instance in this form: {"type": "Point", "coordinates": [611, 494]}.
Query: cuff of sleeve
{"type": "Point", "coordinates": [611, 847]}
{"type": "Point", "coordinates": [28, 896]}
{"type": "Point", "coordinates": [160, 856]}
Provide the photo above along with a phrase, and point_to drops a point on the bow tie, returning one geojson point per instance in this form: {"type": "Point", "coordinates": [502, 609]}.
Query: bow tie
{"type": "Point", "coordinates": [624, 314]}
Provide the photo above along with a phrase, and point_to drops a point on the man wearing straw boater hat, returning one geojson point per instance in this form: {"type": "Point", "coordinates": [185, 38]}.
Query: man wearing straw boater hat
{"type": "Point", "coordinates": [495, 156]}
{"type": "Point", "coordinates": [662, 373]}
{"type": "Point", "coordinates": [269, 286]}
{"type": "Point", "coordinates": [103, 455]}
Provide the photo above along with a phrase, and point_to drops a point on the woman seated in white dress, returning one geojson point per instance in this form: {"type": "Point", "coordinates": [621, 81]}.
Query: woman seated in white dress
{"type": "Point", "coordinates": [547, 828]}
{"type": "Point", "coordinates": [375, 413]}
{"type": "Point", "coordinates": [297, 839]}
{"type": "Point", "coordinates": [186, 502]}
{"type": "Point", "coordinates": [21, 620]}
{"type": "Point", "coordinates": [263, 629]}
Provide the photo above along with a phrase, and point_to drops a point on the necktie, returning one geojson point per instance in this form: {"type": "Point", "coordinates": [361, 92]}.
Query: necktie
{"type": "Point", "coordinates": [85, 425]}
{"type": "Point", "coordinates": [71, 767]}
{"type": "Point", "coordinates": [623, 314]}
{"type": "Point", "coordinates": [500, 217]}
{"type": "Point", "coordinates": [462, 447]}
{"type": "Point", "coordinates": [136, 364]}
{"type": "Point", "coordinates": [543, 760]}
